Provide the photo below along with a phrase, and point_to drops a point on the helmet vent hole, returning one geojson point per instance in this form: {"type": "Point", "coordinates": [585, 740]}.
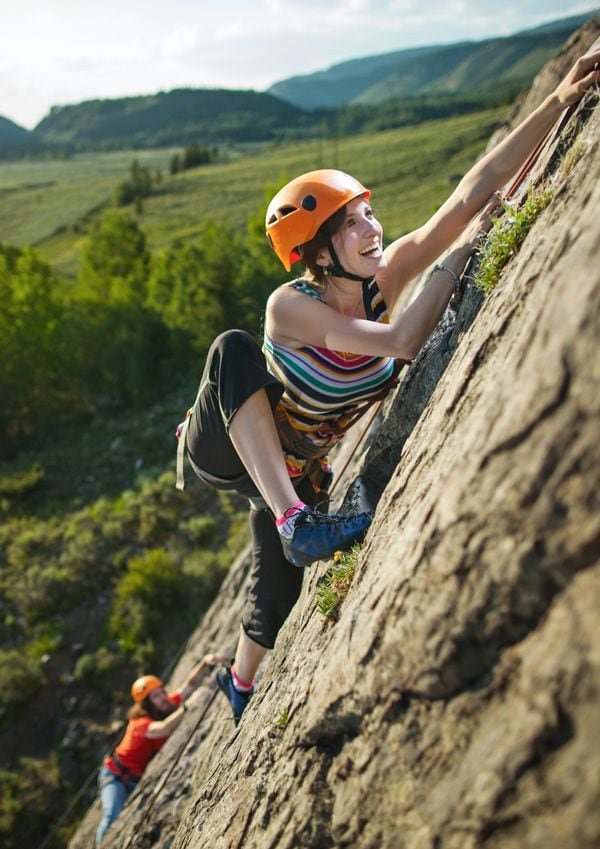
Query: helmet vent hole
{"type": "Point", "coordinates": [309, 203]}
{"type": "Point", "coordinates": [285, 210]}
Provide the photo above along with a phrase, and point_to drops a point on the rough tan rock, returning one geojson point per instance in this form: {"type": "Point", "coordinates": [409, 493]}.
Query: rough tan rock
{"type": "Point", "coordinates": [454, 704]}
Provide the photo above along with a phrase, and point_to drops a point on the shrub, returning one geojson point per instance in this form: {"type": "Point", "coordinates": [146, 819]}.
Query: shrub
{"type": "Point", "coordinates": [20, 678]}
{"type": "Point", "coordinates": [123, 194]}
{"type": "Point", "coordinates": [30, 800]}
{"type": "Point", "coordinates": [93, 667]}
{"type": "Point", "coordinates": [506, 237]}
{"type": "Point", "coordinates": [333, 587]}
{"type": "Point", "coordinates": [21, 483]}
{"type": "Point", "coordinates": [197, 154]}
{"type": "Point", "coordinates": [151, 590]}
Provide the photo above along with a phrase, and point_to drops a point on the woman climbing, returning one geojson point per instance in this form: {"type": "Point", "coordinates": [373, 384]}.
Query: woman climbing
{"type": "Point", "coordinates": [265, 420]}
{"type": "Point", "coordinates": [153, 717]}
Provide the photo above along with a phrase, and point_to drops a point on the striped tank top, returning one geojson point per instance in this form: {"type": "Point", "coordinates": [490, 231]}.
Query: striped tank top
{"type": "Point", "coordinates": [325, 391]}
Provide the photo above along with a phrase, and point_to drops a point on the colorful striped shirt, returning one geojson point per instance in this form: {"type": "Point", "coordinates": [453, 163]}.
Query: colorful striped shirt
{"type": "Point", "coordinates": [325, 391]}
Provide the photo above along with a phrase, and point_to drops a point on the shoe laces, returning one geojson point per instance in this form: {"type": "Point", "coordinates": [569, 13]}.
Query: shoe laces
{"type": "Point", "coordinates": [333, 519]}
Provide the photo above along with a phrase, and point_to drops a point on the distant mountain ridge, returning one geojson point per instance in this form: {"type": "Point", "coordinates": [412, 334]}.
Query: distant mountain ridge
{"type": "Point", "coordinates": [15, 138]}
{"type": "Point", "coordinates": [437, 79]}
{"type": "Point", "coordinates": [455, 68]}
{"type": "Point", "coordinates": [177, 117]}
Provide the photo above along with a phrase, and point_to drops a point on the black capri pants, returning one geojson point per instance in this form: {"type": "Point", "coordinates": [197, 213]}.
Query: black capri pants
{"type": "Point", "coordinates": [235, 369]}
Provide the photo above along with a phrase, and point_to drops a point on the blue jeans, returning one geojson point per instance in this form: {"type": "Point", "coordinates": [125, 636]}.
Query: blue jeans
{"type": "Point", "coordinates": [113, 793]}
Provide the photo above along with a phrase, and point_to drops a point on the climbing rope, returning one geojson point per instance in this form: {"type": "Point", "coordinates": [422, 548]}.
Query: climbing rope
{"type": "Point", "coordinates": [376, 408]}
{"type": "Point", "coordinates": [69, 808]}
{"type": "Point", "coordinates": [554, 131]}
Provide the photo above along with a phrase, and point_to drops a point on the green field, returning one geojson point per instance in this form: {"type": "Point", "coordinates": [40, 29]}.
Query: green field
{"type": "Point", "coordinates": [411, 170]}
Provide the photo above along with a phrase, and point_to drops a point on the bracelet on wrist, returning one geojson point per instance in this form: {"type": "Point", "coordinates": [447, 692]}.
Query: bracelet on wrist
{"type": "Point", "coordinates": [440, 267]}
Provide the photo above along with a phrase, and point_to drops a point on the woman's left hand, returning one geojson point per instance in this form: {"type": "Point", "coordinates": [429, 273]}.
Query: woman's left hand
{"type": "Point", "coordinates": [480, 225]}
{"type": "Point", "coordinates": [584, 73]}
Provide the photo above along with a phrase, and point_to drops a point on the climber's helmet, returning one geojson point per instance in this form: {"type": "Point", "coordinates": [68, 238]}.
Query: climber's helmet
{"type": "Point", "coordinates": [302, 205]}
{"type": "Point", "coordinates": [142, 688]}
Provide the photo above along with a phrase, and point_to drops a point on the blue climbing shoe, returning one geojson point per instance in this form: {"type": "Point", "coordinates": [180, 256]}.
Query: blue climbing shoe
{"type": "Point", "coordinates": [318, 536]}
{"type": "Point", "coordinates": [237, 700]}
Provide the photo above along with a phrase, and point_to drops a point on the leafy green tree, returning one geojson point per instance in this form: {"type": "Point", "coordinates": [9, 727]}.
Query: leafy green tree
{"type": "Point", "coordinates": [196, 154]}
{"type": "Point", "coordinates": [20, 677]}
{"type": "Point", "coordinates": [259, 273]}
{"type": "Point", "coordinates": [30, 799]}
{"type": "Point", "coordinates": [123, 194]}
{"type": "Point", "coordinates": [138, 186]}
{"type": "Point", "coordinates": [31, 355]}
{"type": "Point", "coordinates": [115, 262]}
{"type": "Point", "coordinates": [185, 290]}
{"type": "Point", "coordinates": [152, 590]}
{"type": "Point", "coordinates": [141, 179]}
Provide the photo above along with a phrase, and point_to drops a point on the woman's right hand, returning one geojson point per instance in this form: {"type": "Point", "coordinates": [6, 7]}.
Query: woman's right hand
{"type": "Point", "coordinates": [584, 73]}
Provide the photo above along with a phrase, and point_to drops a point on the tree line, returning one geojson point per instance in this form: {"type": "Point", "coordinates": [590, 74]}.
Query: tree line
{"type": "Point", "coordinates": [131, 322]}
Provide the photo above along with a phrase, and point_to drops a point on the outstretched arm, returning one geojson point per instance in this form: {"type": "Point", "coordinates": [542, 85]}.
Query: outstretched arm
{"type": "Point", "coordinates": [165, 727]}
{"type": "Point", "coordinates": [294, 319]}
{"type": "Point", "coordinates": [411, 254]}
{"type": "Point", "coordinates": [197, 673]}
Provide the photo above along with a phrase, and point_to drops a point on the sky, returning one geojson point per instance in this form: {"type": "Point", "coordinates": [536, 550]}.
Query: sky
{"type": "Point", "coordinates": [64, 51]}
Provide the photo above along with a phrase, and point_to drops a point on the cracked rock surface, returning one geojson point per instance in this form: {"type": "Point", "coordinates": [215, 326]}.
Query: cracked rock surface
{"type": "Point", "coordinates": [454, 704]}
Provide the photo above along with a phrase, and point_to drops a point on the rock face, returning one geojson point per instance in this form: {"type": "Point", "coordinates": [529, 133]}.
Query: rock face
{"type": "Point", "coordinates": [454, 704]}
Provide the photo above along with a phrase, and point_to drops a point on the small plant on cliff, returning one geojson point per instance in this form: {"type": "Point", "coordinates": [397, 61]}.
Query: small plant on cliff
{"type": "Point", "coordinates": [283, 718]}
{"type": "Point", "coordinates": [335, 583]}
{"type": "Point", "coordinates": [506, 237]}
{"type": "Point", "coordinates": [573, 155]}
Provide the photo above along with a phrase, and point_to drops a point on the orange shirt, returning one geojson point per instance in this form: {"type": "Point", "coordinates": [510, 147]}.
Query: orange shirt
{"type": "Point", "coordinates": [135, 749]}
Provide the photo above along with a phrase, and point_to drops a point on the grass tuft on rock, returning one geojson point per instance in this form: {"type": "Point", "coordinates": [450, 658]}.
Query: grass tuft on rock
{"type": "Point", "coordinates": [506, 237]}
{"type": "Point", "coordinates": [283, 718]}
{"type": "Point", "coordinates": [333, 587]}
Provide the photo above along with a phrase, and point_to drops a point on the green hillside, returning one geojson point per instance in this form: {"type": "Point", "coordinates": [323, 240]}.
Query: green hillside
{"type": "Point", "coordinates": [15, 139]}
{"type": "Point", "coordinates": [53, 204]}
{"type": "Point", "coordinates": [461, 67]}
{"type": "Point", "coordinates": [176, 117]}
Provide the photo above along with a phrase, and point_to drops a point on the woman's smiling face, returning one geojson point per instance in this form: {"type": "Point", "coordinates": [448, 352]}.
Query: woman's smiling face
{"type": "Point", "coordinates": [358, 243]}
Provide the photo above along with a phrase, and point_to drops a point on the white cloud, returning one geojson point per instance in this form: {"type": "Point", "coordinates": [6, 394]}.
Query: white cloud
{"type": "Point", "coordinates": [179, 41]}
{"type": "Point", "coordinates": [72, 50]}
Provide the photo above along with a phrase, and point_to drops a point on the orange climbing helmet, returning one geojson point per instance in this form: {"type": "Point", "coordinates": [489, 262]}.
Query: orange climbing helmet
{"type": "Point", "coordinates": [142, 688]}
{"type": "Point", "coordinates": [302, 205]}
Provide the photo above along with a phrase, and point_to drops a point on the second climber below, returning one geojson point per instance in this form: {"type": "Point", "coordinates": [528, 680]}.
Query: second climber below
{"type": "Point", "coordinates": [154, 716]}
{"type": "Point", "coordinates": [265, 419]}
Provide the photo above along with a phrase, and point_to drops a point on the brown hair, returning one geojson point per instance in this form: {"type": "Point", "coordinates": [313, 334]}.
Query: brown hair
{"type": "Point", "coordinates": [145, 708]}
{"type": "Point", "coordinates": [137, 710]}
{"type": "Point", "coordinates": [310, 250]}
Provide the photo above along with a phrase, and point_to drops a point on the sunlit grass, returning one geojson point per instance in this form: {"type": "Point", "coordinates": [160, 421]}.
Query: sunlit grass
{"type": "Point", "coordinates": [335, 583]}
{"type": "Point", "coordinates": [411, 171]}
{"type": "Point", "coordinates": [506, 237]}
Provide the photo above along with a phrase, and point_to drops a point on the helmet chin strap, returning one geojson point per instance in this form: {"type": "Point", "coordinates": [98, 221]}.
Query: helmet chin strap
{"type": "Point", "coordinates": [337, 270]}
